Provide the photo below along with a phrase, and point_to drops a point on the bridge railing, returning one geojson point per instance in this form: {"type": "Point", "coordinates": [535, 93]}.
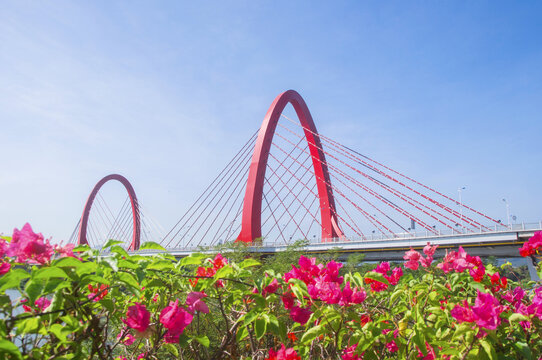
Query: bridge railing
{"type": "Point", "coordinates": [422, 234]}
{"type": "Point", "coordinates": [376, 238]}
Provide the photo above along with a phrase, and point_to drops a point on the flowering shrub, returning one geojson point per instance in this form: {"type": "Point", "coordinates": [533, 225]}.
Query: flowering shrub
{"type": "Point", "coordinates": [74, 303]}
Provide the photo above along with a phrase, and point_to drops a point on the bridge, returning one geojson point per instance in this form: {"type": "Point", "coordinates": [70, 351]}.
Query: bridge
{"type": "Point", "coordinates": [289, 182]}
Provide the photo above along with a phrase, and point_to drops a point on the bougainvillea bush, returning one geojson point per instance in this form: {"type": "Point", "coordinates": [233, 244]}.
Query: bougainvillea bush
{"type": "Point", "coordinates": [78, 303]}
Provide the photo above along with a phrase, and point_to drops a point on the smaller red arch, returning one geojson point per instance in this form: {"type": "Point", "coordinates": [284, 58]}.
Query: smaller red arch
{"type": "Point", "coordinates": [82, 238]}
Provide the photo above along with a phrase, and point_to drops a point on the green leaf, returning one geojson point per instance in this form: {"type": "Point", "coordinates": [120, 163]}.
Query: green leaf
{"type": "Point", "coordinates": [193, 259]}
{"type": "Point", "coordinates": [81, 248]}
{"type": "Point", "coordinates": [67, 262]}
{"type": "Point", "coordinates": [111, 242]}
{"type": "Point", "coordinates": [150, 245]}
{"type": "Point", "coordinates": [377, 277]}
{"type": "Point", "coordinates": [248, 263]}
{"type": "Point", "coordinates": [171, 348]}
{"type": "Point", "coordinates": [34, 289]}
{"type": "Point", "coordinates": [250, 317]}
{"type": "Point", "coordinates": [184, 340]}
{"type": "Point", "coordinates": [223, 272]}
{"type": "Point", "coordinates": [49, 272]}
{"type": "Point", "coordinates": [311, 334]}
{"type": "Point", "coordinates": [241, 333]}
{"type": "Point", "coordinates": [12, 279]}
{"type": "Point", "coordinates": [260, 327]}
{"type": "Point", "coordinates": [57, 330]}
{"type": "Point", "coordinates": [86, 268]}
{"type": "Point", "coordinates": [477, 286]}
{"type": "Point", "coordinates": [119, 250]}
{"type": "Point", "coordinates": [7, 347]}
{"type": "Point", "coordinates": [525, 350]}
{"type": "Point", "coordinates": [161, 265]}
{"type": "Point", "coordinates": [203, 340]}
{"type": "Point", "coordinates": [462, 329]}
{"type": "Point", "coordinates": [489, 349]}
{"type": "Point", "coordinates": [111, 262]}
{"type": "Point", "coordinates": [93, 279]}
{"type": "Point", "coordinates": [27, 326]}
{"type": "Point", "coordinates": [516, 317]}
{"type": "Point", "coordinates": [127, 264]}
{"type": "Point", "coordinates": [128, 279]}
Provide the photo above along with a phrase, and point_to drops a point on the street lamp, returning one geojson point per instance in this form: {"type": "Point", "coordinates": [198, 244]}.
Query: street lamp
{"type": "Point", "coordinates": [507, 211]}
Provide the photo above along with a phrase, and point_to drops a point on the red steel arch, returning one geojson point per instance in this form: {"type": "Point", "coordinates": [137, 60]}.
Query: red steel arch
{"type": "Point", "coordinates": [82, 238]}
{"type": "Point", "coordinates": [251, 227]}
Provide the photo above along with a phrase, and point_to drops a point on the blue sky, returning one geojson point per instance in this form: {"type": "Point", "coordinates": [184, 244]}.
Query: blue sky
{"type": "Point", "coordinates": [166, 92]}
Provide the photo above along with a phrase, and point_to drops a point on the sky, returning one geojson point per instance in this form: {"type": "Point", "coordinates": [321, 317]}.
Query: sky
{"type": "Point", "coordinates": [166, 92]}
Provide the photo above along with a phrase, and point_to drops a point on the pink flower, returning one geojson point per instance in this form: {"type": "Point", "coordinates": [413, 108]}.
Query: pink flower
{"type": "Point", "coordinates": [392, 346]}
{"type": "Point", "coordinates": [283, 354]}
{"type": "Point", "coordinates": [271, 288]}
{"type": "Point", "coordinates": [485, 312]}
{"type": "Point", "coordinates": [127, 340]}
{"type": "Point", "coordinates": [350, 353]}
{"type": "Point", "coordinates": [532, 245]}
{"type": "Point", "coordinates": [384, 269]}
{"type": "Point", "coordinates": [97, 293]}
{"type": "Point", "coordinates": [300, 315]}
{"type": "Point", "coordinates": [29, 247]}
{"type": "Point", "coordinates": [66, 251]}
{"type": "Point", "coordinates": [175, 319]}
{"type": "Point", "coordinates": [3, 247]}
{"type": "Point", "coordinates": [42, 303]}
{"type": "Point", "coordinates": [4, 267]}
{"type": "Point", "coordinates": [459, 261]}
{"type": "Point", "coordinates": [328, 292]}
{"type": "Point", "coordinates": [194, 302]}
{"type": "Point", "coordinates": [137, 317]}
{"type": "Point", "coordinates": [141, 356]}
{"type": "Point", "coordinates": [536, 306]}
{"type": "Point", "coordinates": [288, 300]}
{"type": "Point", "coordinates": [412, 257]}
{"type": "Point", "coordinates": [478, 273]}
{"type": "Point", "coordinates": [430, 250]}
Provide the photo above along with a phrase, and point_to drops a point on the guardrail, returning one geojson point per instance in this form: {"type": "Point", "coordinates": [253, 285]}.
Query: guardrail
{"type": "Point", "coordinates": [381, 238]}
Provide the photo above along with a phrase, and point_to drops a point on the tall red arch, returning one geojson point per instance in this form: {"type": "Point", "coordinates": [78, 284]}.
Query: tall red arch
{"type": "Point", "coordinates": [251, 227]}
{"type": "Point", "coordinates": [82, 238]}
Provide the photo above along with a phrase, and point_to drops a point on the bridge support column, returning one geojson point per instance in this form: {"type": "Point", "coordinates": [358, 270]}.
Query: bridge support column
{"type": "Point", "coordinates": [532, 269]}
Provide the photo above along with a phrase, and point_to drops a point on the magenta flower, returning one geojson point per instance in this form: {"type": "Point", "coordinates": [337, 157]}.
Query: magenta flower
{"type": "Point", "coordinates": [271, 288]}
{"type": "Point", "coordinates": [532, 245]}
{"type": "Point", "coordinates": [137, 317]}
{"type": "Point", "coordinates": [194, 302]}
{"type": "Point", "coordinates": [300, 315]}
{"type": "Point", "coordinates": [288, 300]}
{"type": "Point", "coordinates": [66, 251]}
{"type": "Point", "coordinates": [412, 257]}
{"type": "Point", "coordinates": [3, 247]}
{"type": "Point", "coordinates": [175, 319]}
{"type": "Point", "coordinates": [485, 312]}
{"type": "Point", "coordinates": [478, 273]}
{"type": "Point", "coordinates": [459, 261]}
{"type": "Point", "coordinates": [430, 250]}
{"type": "Point", "coordinates": [42, 303]}
{"type": "Point", "coordinates": [127, 340]}
{"type": "Point", "coordinates": [283, 354]}
{"type": "Point", "coordinates": [4, 267]}
{"type": "Point", "coordinates": [29, 247]}
{"type": "Point", "coordinates": [350, 353]}
{"type": "Point", "coordinates": [392, 346]}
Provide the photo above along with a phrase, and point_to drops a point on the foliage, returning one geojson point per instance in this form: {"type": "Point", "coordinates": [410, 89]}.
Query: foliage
{"type": "Point", "coordinates": [75, 303]}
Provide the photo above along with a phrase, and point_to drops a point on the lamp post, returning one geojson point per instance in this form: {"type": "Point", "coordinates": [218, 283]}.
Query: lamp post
{"type": "Point", "coordinates": [507, 211]}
